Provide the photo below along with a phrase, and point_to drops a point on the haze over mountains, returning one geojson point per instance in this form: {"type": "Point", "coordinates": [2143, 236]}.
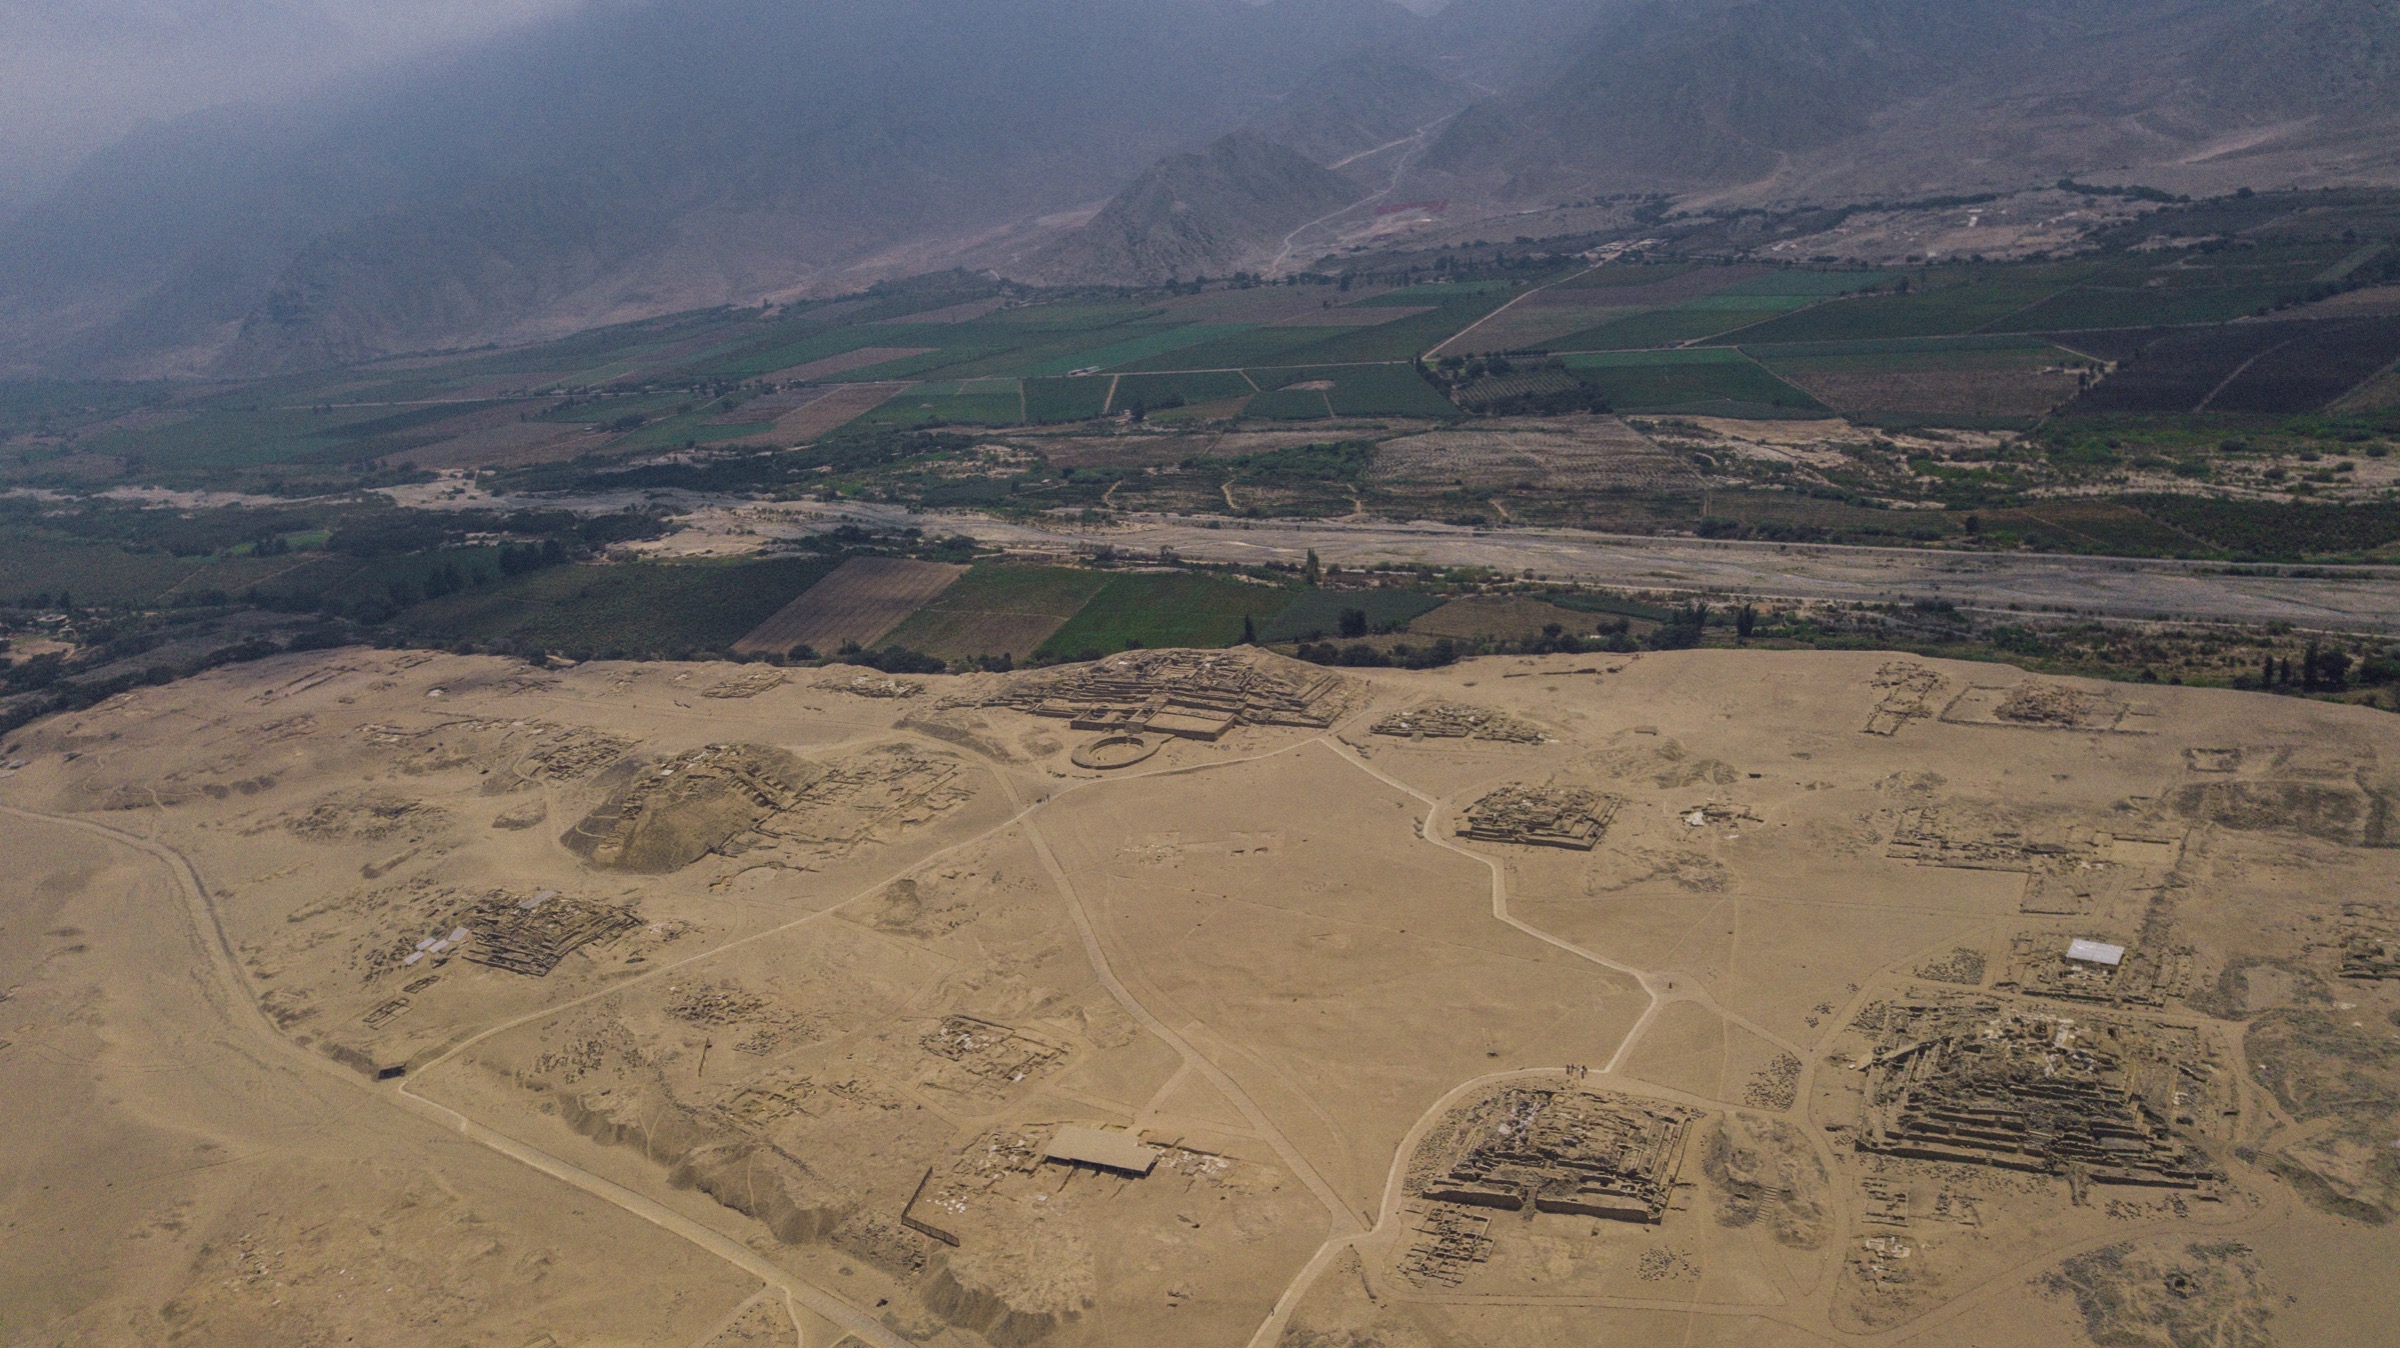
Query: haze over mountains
{"type": "Point", "coordinates": [632, 159]}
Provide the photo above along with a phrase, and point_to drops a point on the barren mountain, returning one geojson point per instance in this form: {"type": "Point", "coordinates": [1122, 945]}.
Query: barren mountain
{"type": "Point", "coordinates": [637, 159]}
{"type": "Point", "coordinates": [1837, 99]}
{"type": "Point", "coordinates": [632, 160]}
{"type": "Point", "coordinates": [1198, 214]}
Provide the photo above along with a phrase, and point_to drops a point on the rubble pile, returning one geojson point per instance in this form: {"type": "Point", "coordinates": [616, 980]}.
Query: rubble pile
{"type": "Point", "coordinates": [1457, 721]}
{"type": "Point", "coordinates": [1565, 1151]}
{"type": "Point", "coordinates": [1973, 1083]}
{"type": "Point", "coordinates": [1193, 694]}
{"type": "Point", "coordinates": [1540, 816]}
{"type": "Point", "coordinates": [530, 936]}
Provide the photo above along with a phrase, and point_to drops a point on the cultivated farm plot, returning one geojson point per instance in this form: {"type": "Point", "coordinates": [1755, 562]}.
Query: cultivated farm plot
{"type": "Point", "coordinates": [1053, 400]}
{"type": "Point", "coordinates": [1166, 608]}
{"type": "Point", "coordinates": [997, 609]}
{"type": "Point", "coordinates": [818, 411]}
{"type": "Point", "coordinates": [1167, 390]}
{"type": "Point", "coordinates": [637, 607]}
{"type": "Point", "coordinates": [1582, 454]}
{"type": "Point", "coordinates": [846, 362]}
{"type": "Point", "coordinates": [969, 402]}
{"type": "Point", "coordinates": [1318, 613]}
{"type": "Point", "coordinates": [1543, 319]}
{"type": "Point", "coordinates": [1663, 327]}
{"type": "Point", "coordinates": [1979, 385]}
{"type": "Point", "coordinates": [2294, 366]}
{"type": "Point", "coordinates": [1509, 617]}
{"type": "Point", "coordinates": [864, 598]}
{"type": "Point", "coordinates": [1362, 390]}
{"type": "Point", "coordinates": [1705, 381]}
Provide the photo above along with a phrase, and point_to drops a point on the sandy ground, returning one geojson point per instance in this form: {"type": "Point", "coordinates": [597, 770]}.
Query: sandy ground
{"type": "Point", "coordinates": [385, 997]}
{"type": "Point", "coordinates": [2351, 599]}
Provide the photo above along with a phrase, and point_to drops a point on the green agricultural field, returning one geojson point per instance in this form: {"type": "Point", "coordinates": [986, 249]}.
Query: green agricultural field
{"type": "Point", "coordinates": [1718, 381]}
{"type": "Point", "coordinates": [1441, 292]}
{"type": "Point", "coordinates": [1290, 404]}
{"type": "Point", "coordinates": [1950, 305]}
{"type": "Point", "coordinates": [1730, 300]}
{"type": "Point", "coordinates": [1142, 346]}
{"type": "Point", "coordinates": [1070, 316]}
{"type": "Point", "coordinates": [1615, 275]}
{"type": "Point", "coordinates": [765, 359]}
{"type": "Point", "coordinates": [664, 608]}
{"type": "Point", "coordinates": [998, 609]}
{"type": "Point", "coordinates": [1360, 391]}
{"type": "Point", "coordinates": [1794, 281]}
{"type": "Point", "coordinates": [1402, 339]}
{"type": "Point", "coordinates": [1256, 346]}
{"type": "Point", "coordinates": [218, 439]}
{"type": "Point", "coordinates": [37, 562]}
{"type": "Point", "coordinates": [1169, 390]}
{"type": "Point", "coordinates": [1054, 400]}
{"type": "Point", "coordinates": [1660, 327]}
{"type": "Point", "coordinates": [2093, 307]}
{"type": "Point", "coordinates": [951, 402]}
{"type": "Point", "coordinates": [1165, 608]}
{"type": "Point", "coordinates": [694, 428]}
{"type": "Point", "coordinates": [1315, 614]}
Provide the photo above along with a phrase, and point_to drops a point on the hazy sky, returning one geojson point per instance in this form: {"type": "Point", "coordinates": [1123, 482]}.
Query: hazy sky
{"type": "Point", "coordinates": [76, 74]}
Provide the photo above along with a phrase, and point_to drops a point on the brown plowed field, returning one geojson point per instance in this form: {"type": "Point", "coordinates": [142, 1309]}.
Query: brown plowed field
{"type": "Point", "coordinates": [840, 406]}
{"type": "Point", "coordinates": [863, 599]}
{"type": "Point", "coordinates": [1975, 393]}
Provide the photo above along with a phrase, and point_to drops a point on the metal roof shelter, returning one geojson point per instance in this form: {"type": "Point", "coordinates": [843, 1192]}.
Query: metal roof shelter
{"type": "Point", "coordinates": [2095, 952]}
{"type": "Point", "coordinates": [1121, 1152]}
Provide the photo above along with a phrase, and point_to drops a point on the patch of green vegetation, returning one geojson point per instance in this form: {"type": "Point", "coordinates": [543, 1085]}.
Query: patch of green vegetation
{"type": "Point", "coordinates": [815, 346]}
{"type": "Point", "coordinates": [1141, 347]}
{"type": "Point", "coordinates": [1257, 346]}
{"type": "Point", "coordinates": [1699, 380]}
{"type": "Point", "coordinates": [1619, 274]}
{"type": "Point", "coordinates": [1402, 339]}
{"type": "Point", "coordinates": [1362, 390]}
{"type": "Point", "coordinates": [1165, 608]}
{"type": "Point", "coordinates": [1316, 614]}
{"type": "Point", "coordinates": [36, 562]}
{"type": "Point", "coordinates": [693, 429]}
{"type": "Point", "coordinates": [1870, 351]}
{"type": "Point", "coordinates": [654, 609]}
{"type": "Point", "coordinates": [2274, 531]}
{"type": "Point", "coordinates": [962, 402]}
{"type": "Point", "coordinates": [1152, 392]}
{"type": "Point", "coordinates": [1345, 461]}
{"type": "Point", "coordinates": [1730, 300]}
{"type": "Point", "coordinates": [2092, 307]}
{"type": "Point", "coordinates": [1291, 404]}
{"type": "Point", "coordinates": [1053, 400]}
{"type": "Point", "coordinates": [1802, 282]}
{"type": "Point", "coordinates": [249, 436]}
{"type": "Point", "coordinates": [1939, 302]}
{"type": "Point", "coordinates": [1660, 327]}
{"type": "Point", "coordinates": [1440, 292]}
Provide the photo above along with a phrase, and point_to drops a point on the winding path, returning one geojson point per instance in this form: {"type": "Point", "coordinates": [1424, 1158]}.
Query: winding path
{"type": "Point", "coordinates": [1346, 1231]}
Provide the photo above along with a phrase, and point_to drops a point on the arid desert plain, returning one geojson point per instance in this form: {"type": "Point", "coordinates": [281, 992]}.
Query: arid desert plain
{"type": "Point", "coordinates": [1199, 998]}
